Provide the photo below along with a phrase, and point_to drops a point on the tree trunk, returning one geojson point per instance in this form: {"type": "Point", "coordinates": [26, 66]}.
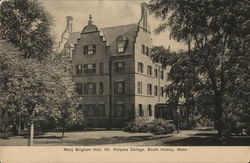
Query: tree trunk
{"type": "Point", "coordinates": [63, 130]}
{"type": "Point", "coordinates": [31, 134]}
{"type": "Point", "coordinates": [219, 114]}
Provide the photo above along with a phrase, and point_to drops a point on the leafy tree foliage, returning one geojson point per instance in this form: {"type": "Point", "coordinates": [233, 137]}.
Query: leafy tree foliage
{"type": "Point", "coordinates": [216, 66]}
{"type": "Point", "coordinates": [27, 25]}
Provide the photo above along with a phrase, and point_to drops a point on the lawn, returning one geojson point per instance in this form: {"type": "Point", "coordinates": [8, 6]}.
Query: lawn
{"type": "Point", "coordinates": [196, 137]}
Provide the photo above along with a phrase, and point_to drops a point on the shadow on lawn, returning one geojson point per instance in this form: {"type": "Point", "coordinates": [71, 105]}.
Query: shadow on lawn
{"type": "Point", "coordinates": [105, 141]}
{"type": "Point", "coordinates": [211, 141]}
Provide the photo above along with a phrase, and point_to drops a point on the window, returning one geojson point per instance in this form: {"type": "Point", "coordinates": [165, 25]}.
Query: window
{"type": "Point", "coordinates": [121, 44]}
{"type": "Point", "coordinates": [118, 110]}
{"type": "Point", "coordinates": [101, 88]}
{"type": "Point", "coordinates": [119, 67]}
{"type": "Point", "coordinates": [101, 68]}
{"type": "Point", "coordinates": [140, 110]}
{"type": "Point", "coordinates": [139, 87]}
{"type": "Point", "coordinates": [156, 72]}
{"type": "Point", "coordinates": [89, 110]}
{"type": "Point", "coordinates": [89, 49]}
{"type": "Point", "coordinates": [147, 51]}
{"type": "Point", "coordinates": [143, 49]}
{"type": "Point", "coordinates": [121, 47]}
{"type": "Point", "coordinates": [156, 90]}
{"type": "Point", "coordinates": [149, 89]}
{"type": "Point", "coordinates": [90, 88]}
{"type": "Point", "coordinates": [100, 110]}
{"type": "Point", "coordinates": [79, 107]}
{"type": "Point", "coordinates": [89, 68]}
{"type": "Point", "coordinates": [162, 75]}
{"type": "Point", "coordinates": [149, 70]}
{"type": "Point", "coordinates": [78, 69]}
{"type": "Point", "coordinates": [119, 87]}
{"type": "Point", "coordinates": [162, 91]}
{"type": "Point", "coordinates": [150, 112]}
{"type": "Point", "coordinates": [79, 88]}
{"type": "Point", "coordinates": [140, 67]}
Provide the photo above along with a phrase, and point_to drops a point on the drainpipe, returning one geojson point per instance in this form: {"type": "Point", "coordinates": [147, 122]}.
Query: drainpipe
{"type": "Point", "coordinates": [110, 94]}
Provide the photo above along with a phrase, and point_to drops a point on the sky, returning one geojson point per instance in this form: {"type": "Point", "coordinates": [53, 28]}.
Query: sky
{"type": "Point", "coordinates": [105, 13]}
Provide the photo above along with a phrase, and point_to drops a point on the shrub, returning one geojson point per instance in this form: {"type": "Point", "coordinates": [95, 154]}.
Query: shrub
{"type": "Point", "coordinates": [158, 126]}
{"type": "Point", "coordinates": [138, 125]}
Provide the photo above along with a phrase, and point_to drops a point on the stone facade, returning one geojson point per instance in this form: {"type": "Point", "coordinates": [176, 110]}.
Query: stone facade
{"type": "Point", "coordinates": [114, 75]}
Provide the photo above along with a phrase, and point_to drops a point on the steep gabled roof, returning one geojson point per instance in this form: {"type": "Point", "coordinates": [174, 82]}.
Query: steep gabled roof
{"type": "Point", "coordinates": [111, 33]}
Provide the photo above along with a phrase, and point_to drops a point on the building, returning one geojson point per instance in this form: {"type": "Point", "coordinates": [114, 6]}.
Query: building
{"type": "Point", "coordinates": [114, 75]}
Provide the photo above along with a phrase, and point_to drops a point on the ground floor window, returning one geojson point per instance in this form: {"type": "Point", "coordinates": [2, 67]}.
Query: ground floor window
{"type": "Point", "coordinates": [118, 110]}
{"type": "Point", "coordinates": [140, 110]}
{"type": "Point", "coordinates": [100, 110]}
{"type": "Point", "coordinates": [93, 110]}
{"type": "Point", "coordinates": [150, 110]}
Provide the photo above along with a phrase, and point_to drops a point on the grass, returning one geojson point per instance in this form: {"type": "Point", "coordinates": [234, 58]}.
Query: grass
{"type": "Point", "coordinates": [197, 137]}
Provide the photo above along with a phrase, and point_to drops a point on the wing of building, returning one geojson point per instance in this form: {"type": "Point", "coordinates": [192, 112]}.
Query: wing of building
{"type": "Point", "coordinates": [114, 76]}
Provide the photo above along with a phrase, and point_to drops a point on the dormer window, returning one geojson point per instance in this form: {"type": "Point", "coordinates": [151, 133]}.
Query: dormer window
{"type": "Point", "coordinates": [121, 44]}
{"type": "Point", "coordinates": [89, 50]}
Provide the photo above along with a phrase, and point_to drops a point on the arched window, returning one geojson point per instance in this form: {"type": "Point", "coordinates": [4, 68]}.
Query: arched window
{"type": "Point", "coordinates": [140, 110]}
{"type": "Point", "coordinates": [150, 110]}
{"type": "Point", "coordinates": [121, 44]}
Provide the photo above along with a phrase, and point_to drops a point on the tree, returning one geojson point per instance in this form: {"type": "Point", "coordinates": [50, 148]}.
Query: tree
{"type": "Point", "coordinates": [69, 114]}
{"type": "Point", "coordinates": [27, 25]}
{"type": "Point", "coordinates": [217, 33]}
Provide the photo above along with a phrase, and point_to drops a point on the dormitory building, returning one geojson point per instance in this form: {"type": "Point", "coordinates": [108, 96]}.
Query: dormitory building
{"type": "Point", "coordinates": [114, 75]}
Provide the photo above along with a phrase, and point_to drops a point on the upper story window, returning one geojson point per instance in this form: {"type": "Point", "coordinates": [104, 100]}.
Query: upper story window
{"type": "Point", "coordinates": [78, 69]}
{"type": "Point", "coordinates": [140, 67]}
{"type": "Point", "coordinates": [162, 75]}
{"type": "Point", "coordinates": [101, 68]}
{"type": "Point", "coordinates": [119, 66]}
{"type": "Point", "coordinates": [149, 89]}
{"type": "Point", "coordinates": [89, 49]}
{"type": "Point", "coordinates": [89, 68]}
{"type": "Point", "coordinates": [156, 90]}
{"type": "Point", "coordinates": [156, 73]}
{"type": "Point", "coordinates": [147, 50]}
{"type": "Point", "coordinates": [101, 88]}
{"type": "Point", "coordinates": [149, 70]}
{"type": "Point", "coordinates": [162, 91]}
{"type": "Point", "coordinates": [121, 44]}
{"type": "Point", "coordinates": [139, 87]}
{"type": "Point", "coordinates": [143, 49]}
{"type": "Point", "coordinates": [119, 87]}
{"type": "Point", "coordinates": [79, 88]}
{"type": "Point", "coordinates": [90, 88]}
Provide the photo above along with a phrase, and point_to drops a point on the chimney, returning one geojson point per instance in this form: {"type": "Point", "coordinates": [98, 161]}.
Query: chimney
{"type": "Point", "coordinates": [69, 23]}
{"type": "Point", "coordinates": [144, 17]}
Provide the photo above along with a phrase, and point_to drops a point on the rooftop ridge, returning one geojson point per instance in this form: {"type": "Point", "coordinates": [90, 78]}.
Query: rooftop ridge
{"type": "Point", "coordinates": [120, 26]}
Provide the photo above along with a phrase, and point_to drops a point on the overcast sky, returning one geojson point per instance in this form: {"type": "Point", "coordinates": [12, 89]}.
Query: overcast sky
{"type": "Point", "coordinates": [105, 13]}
